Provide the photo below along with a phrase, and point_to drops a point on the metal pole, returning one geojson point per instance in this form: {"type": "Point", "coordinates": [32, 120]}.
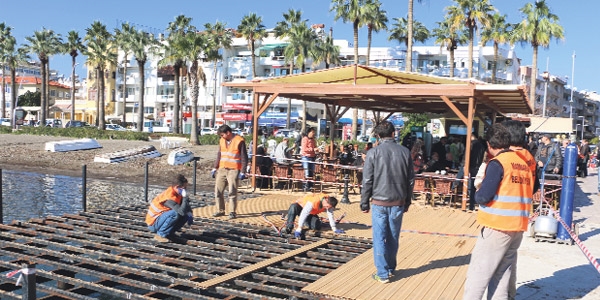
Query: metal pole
{"type": "Point", "coordinates": [28, 282]}
{"type": "Point", "coordinates": [582, 126]}
{"type": "Point", "coordinates": [345, 198]}
{"type": "Point", "coordinates": [194, 174]}
{"type": "Point", "coordinates": [84, 187]}
{"type": "Point", "coordinates": [1, 200]}
{"type": "Point", "coordinates": [146, 182]}
{"type": "Point", "coordinates": [568, 190]}
{"type": "Point", "coordinates": [572, 87]}
{"type": "Point", "coordinates": [546, 77]}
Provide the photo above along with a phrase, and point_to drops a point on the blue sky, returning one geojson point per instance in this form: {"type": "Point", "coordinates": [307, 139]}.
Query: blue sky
{"type": "Point", "coordinates": [64, 15]}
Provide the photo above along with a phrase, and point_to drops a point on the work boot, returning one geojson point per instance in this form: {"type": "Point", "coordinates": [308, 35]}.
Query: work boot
{"type": "Point", "coordinates": [177, 239]}
{"type": "Point", "coordinates": [161, 239]}
{"type": "Point", "coordinates": [219, 214]}
{"type": "Point", "coordinates": [232, 215]}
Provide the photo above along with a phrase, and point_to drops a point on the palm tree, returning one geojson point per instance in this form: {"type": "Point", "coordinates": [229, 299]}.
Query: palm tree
{"type": "Point", "coordinates": [123, 41]}
{"type": "Point", "coordinates": [399, 32]}
{"type": "Point", "coordinates": [352, 11]}
{"type": "Point", "coordinates": [13, 57]}
{"type": "Point", "coordinates": [4, 34]}
{"type": "Point", "coordinates": [410, 29]}
{"type": "Point", "coordinates": [327, 52]}
{"type": "Point", "coordinates": [376, 19]}
{"type": "Point", "coordinates": [537, 28]}
{"type": "Point", "coordinates": [448, 36]}
{"type": "Point", "coordinates": [218, 37]}
{"type": "Point", "coordinates": [174, 54]}
{"type": "Point", "coordinates": [471, 13]}
{"type": "Point", "coordinates": [73, 46]}
{"type": "Point", "coordinates": [195, 45]}
{"type": "Point", "coordinates": [101, 53]}
{"type": "Point", "coordinates": [499, 32]}
{"type": "Point", "coordinates": [44, 44]}
{"type": "Point", "coordinates": [252, 29]}
{"type": "Point", "coordinates": [142, 44]}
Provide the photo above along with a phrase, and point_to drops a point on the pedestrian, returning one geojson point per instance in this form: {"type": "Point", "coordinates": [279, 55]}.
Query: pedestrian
{"type": "Point", "coordinates": [388, 181]}
{"type": "Point", "coordinates": [308, 152]}
{"type": "Point", "coordinates": [504, 203]}
{"type": "Point", "coordinates": [283, 154]}
{"type": "Point", "coordinates": [169, 211]}
{"type": "Point", "coordinates": [548, 157]}
{"type": "Point", "coordinates": [307, 209]}
{"type": "Point", "coordinates": [229, 169]}
{"type": "Point", "coordinates": [584, 157]}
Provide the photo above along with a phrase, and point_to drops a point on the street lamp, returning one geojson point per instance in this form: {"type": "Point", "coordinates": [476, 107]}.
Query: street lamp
{"type": "Point", "coordinates": [545, 76]}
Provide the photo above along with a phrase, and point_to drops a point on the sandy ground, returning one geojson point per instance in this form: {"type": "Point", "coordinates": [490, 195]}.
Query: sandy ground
{"type": "Point", "coordinates": [26, 153]}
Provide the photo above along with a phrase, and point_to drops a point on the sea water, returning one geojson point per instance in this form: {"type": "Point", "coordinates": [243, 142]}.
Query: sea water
{"type": "Point", "coordinates": [27, 195]}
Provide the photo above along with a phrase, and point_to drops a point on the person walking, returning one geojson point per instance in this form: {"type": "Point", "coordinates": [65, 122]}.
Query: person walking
{"type": "Point", "coordinates": [169, 211]}
{"type": "Point", "coordinates": [308, 152]}
{"type": "Point", "coordinates": [388, 181]}
{"type": "Point", "coordinates": [584, 157]}
{"type": "Point", "coordinates": [548, 156]}
{"type": "Point", "coordinates": [231, 162]}
{"type": "Point", "coordinates": [308, 209]}
{"type": "Point", "coordinates": [504, 203]}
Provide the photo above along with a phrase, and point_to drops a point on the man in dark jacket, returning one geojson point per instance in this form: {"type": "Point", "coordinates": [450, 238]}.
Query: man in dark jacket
{"type": "Point", "coordinates": [388, 181]}
{"type": "Point", "coordinates": [478, 150]}
{"type": "Point", "coordinates": [548, 156]}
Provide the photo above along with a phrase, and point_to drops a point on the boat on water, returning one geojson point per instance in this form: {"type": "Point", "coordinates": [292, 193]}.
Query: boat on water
{"type": "Point", "coordinates": [72, 145]}
{"type": "Point", "coordinates": [180, 156]}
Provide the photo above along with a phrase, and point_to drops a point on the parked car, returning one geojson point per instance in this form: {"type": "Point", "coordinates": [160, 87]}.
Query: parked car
{"type": "Point", "coordinates": [207, 130]}
{"type": "Point", "coordinates": [5, 122]}
{"type": "Point", "coordinates": [115, 127]}
{"type": "Point", "coordinates": [54, 123]}
{"type": "Point", "coordinates": [286, 133]}
{"type": "Point", "coordinates": [75, 123]}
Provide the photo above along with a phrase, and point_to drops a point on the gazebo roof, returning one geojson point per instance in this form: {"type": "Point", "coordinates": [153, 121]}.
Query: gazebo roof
{"type": "Point", "coordinates": [392, 91]}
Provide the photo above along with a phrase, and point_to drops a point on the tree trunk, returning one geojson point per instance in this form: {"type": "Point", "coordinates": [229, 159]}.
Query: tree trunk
{"type": "Point", "coordinates": [354, 123]}
{"type": "Point", "coordinates": [451, 62]}
{"type": "Point", "coordinates": [369, 36]}
{"type": "Point", "coordinates": [3, 103]}
{"type": "Point", "coordinates": [176, 91]}
{"type": "Point", "coordinates": [73, 59]}
{"type": "Point", "coordinates": [141, 82]}
{"type": "Point", "coordinates": [214, 102]}
{"type": "Point", "coordinates": [471, 41]}
{"type": "Point", "coordinates": [98, 77]}
{"type": "Point", "coordinates": [193, 73]}
{"type": "Point", "coordinates": [304, 118]}
{"type": "Point", "coordinates": [409, 39]}
{"type": "Point", "coordinates": [495, 65]}
{"type": "Point", "coordinates": [253, 58]}
{"type": "Point", "coordinates": [13, 93]}
{"type": "Point", "coordinates": [44, 100]}
{"type": "Point", "coordinates": [533, 77]}
{"type": "Point", "coordinates": [101, 115]}
{"type": "Point", "coordinates": [47, 79]}
{"type": "Point", "coordinates": [124, 89]}
{"type": "Point", "coordinates": [355, 111]}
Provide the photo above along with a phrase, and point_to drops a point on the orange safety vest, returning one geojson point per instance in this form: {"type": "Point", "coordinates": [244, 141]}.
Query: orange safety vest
{"type": "Point", "coordinates": [157, 206]}
{"type": "Point", "coordinates": [231, 157]}
{"type": "Point", "coordinates": [525, 155]}
{"type": "Point", "coordinates": [509, 210]}
{"type": "Point", "coordinates": [315, 199]}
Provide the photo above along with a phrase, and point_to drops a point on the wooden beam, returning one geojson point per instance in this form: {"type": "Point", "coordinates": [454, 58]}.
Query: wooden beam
{"type": "Point", "coordinates": [453, 107]}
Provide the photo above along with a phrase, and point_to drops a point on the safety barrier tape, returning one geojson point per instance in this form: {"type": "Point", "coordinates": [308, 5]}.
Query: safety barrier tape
{"type": "Point", "coordinates": [439, 233]}
{"type": "Point", "coordinates": [575, 238]}
{"type": "Point", "coordinates": [350, 185]}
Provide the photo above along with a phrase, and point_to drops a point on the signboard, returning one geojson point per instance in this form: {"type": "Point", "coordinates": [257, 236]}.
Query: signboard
{"type": "Point", "coordinates": [237, 117]}
{"type": "Point", "coordinates": [231, 106]}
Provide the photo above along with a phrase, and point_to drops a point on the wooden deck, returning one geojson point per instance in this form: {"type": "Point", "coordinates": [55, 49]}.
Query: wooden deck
{"type": "Point", "coordinates": [434, 253]}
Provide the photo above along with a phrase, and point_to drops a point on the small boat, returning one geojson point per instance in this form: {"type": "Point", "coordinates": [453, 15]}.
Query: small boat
{"type": "Point", "coordinates": [72, 145]}
{"type": "Point", "coordinates": [180, 156]}
{"type": "Point", "coordinates": [120, 156]}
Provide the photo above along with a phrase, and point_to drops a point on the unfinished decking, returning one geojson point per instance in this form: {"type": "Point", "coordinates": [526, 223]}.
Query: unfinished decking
{"type": "Point", "coordinates": [434, 253]}
{"type": "Point", "coordinates": [111, 253]}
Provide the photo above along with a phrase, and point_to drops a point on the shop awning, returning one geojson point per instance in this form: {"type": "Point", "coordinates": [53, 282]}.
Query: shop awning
{"type": "Point", "coordinates": [550, 125]}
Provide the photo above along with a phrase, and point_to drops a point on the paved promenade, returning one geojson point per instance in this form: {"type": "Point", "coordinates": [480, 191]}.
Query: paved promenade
{"type": "Point", "coordinates": [549, 270]}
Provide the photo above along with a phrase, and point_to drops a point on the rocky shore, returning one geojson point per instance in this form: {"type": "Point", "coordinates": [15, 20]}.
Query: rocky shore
{"type": "Point", "coordinates": [27, 153]}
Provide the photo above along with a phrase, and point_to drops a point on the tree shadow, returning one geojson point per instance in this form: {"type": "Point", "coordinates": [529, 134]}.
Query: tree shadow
{"type": "Point", "coordinates": [571, 283]}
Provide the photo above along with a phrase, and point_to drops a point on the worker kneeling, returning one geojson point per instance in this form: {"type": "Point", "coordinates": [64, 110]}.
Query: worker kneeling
{"type": "Point", "coordinates": [308, 208]}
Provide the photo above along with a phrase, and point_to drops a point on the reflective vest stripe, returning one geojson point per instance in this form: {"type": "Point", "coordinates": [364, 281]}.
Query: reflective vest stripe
{"type": "Point", "coordinates": [157, 206]}
{"type": "Point", "coordinates": [231, 158]}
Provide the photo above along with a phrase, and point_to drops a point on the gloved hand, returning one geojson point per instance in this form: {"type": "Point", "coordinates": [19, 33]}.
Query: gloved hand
{"type": "Point", "coordinates": [365, 207]}
{"type": "Point", "coordinates": [339, 231]}
{"type": "Point", "coordinates": [297, 234]}
{"type": "Point", "coordinates": [242, 176]}
{"type": "Point", "coordinates": [182, 192]}
{"type": "Point", "coordinates": [213, 173]}
{"type": "Point", "coordinates": [190, 219]}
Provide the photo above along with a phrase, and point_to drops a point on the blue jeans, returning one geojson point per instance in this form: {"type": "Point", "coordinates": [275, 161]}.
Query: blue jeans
{"type": "Point", "coordinates": [167, 223]}
{"type": "Point", "coordinates": [387, 222]}
{"type": "Point", "coordinates": [309, 169]}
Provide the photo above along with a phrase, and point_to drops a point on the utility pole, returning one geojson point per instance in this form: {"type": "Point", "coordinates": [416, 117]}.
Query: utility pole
{"type": "Point", "coordinates": [572, 86]}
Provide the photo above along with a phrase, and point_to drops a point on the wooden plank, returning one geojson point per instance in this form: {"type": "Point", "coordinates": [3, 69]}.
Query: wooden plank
{"type": "Point", "coordinates": [217, 280]}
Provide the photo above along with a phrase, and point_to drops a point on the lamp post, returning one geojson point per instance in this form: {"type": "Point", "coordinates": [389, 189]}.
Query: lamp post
{"type": "Point", "coordinates": [545, 76]}
{"type": "Point", "coordinates": [572, 87]}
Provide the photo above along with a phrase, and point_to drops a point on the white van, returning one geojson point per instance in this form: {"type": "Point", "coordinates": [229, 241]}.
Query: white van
{"type": "Point", "coordinates": [5, 122]}
{"type": "Point", "coordinates": [54, 123]}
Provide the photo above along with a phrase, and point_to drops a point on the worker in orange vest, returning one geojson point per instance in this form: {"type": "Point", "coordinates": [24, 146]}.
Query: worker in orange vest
{"type": "Point", "coordinates": [308, 209]}
{"type": "Point", "coordinates": [169, 211]}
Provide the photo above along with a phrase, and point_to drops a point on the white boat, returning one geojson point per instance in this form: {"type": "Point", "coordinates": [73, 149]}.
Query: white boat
{"type": "Point", "coordinates": [120, 156]}
{"type": "Point", "coordinates": [180, 156]}
{"type": "Point", "coordinates": [72, 145]}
